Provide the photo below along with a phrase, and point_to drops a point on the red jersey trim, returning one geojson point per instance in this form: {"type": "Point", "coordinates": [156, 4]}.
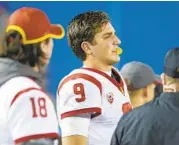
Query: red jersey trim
{"type": "Point", "coordinates": [126, 107]}
{"type": "Point", "coordinates": [118, 85]}
{"type": "Point", "coordinates": [83, 76]}
{"type": "Point", "coordinates": [36, 136]}
{"type": "Point", "coordinates": [157, 82]}
{"type": "Point", "coordinates": [22, 92]}
{"type": "Point", "coordinates": [95, 110]}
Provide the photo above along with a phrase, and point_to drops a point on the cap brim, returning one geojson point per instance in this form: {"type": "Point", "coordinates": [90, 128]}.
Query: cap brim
{"type": "Point", "coordinates": [57, 31]}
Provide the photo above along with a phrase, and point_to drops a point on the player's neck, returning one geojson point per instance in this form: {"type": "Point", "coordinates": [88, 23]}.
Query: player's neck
{"type": "Point", "coordinates": [97, 65]}
{"type": "Point", "coordinates": [137, 100]}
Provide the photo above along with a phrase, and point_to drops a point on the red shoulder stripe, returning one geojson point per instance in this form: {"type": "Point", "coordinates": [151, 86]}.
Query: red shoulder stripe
{"type": "Point", "coordinates": [95, 110]}
{"type": "Point", "coordinates": [22, 92]}
{"type": "Point", "coordinates": [36, 136]}
{"type": "Point", "coordinates": [83, 76]}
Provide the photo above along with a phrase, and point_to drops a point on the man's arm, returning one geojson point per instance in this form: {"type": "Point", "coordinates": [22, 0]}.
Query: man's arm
{"type": "Point", "coordinates": [77, 100]}
{"type": "Point", "coordinates": [74, 140]}
{"type": "Point", "coordinates": [75, 129]}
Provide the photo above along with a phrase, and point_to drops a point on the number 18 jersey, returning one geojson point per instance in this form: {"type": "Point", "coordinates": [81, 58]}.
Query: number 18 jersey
{"type": "Point", "coordinates": [26, 112]}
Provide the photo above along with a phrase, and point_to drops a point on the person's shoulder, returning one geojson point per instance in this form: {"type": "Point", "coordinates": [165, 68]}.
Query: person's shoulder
{"type": "Point", "coordinates": [144, 112]}
{"type": "Point", "coordinates": [79, 79]}
{"type": "Point", "coordinates": [20, 83]}
{"type": "Point", "coordinates": [142, 122]}
{"type": "Point", "coordinates": [73, 73]}
{"type": "Point", "coordinates": [80, 75]}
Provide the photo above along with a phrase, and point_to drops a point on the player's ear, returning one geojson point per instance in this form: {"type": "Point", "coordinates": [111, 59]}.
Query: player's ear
{"type": "Point", "coordinates": [128, 84]}
{"type": "Point", "coordinates": [44, 44]}
{"type": "Point", "coordinates": [86, 47]}
{"type": "Point", "coordinates": [127, 81]}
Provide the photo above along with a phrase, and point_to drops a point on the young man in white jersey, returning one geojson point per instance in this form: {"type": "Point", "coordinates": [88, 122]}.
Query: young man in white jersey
{"type": "Point", "coordinates": [27, 113]}
{"type": "Point", "coordinates": [91, 99]}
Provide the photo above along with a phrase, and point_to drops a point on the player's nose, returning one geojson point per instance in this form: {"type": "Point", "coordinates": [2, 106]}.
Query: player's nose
{"type": "Point", "coordinates": [117, 41]}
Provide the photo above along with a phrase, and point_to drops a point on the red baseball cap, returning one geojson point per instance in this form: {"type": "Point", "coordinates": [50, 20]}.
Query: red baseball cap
{"type": "Point", "coordinates": [34, 25]}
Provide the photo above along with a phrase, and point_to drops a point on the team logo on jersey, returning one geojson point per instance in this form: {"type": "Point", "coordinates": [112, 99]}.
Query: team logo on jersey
{"type": "Point", "coordinates": [110, 97]}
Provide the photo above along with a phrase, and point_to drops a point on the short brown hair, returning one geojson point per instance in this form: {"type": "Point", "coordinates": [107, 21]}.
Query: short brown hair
{"type": "Point", "coordinates": [13, 48]}
{"type": "Point", "coordinates": [82, 28]}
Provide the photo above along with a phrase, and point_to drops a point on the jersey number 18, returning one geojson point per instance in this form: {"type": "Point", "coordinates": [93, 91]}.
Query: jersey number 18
{"type": "Point", "coordinates": [38, 107]}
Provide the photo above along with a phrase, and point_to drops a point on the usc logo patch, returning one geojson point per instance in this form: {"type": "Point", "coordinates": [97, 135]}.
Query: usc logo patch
{"type": "Point", "coordinates": [110, 97]}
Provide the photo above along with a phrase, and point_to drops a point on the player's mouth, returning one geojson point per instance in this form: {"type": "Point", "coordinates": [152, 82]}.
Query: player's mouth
{"type": "Point", "coordinates": [119, 50]}
{"type": "Point", "coordinates": [114, 51]}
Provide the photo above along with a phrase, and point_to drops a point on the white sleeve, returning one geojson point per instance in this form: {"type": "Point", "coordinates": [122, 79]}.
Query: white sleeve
{"type": "Point", "coordinates": [76, 125]}
{"type": "Point", "coordinates": [31, 115]}
{"type": "Point", "coordinates": [78, 96]}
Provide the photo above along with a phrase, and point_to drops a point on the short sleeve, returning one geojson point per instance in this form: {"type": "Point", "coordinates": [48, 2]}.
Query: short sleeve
{"type": "Point", "coordinates": [78, 96]}
{"type": "Point", "coordinates": [31, 115]}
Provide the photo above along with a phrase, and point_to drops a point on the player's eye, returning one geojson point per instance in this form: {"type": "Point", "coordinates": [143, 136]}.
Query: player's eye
{"type": "Point", "coordinates": [106, 36]}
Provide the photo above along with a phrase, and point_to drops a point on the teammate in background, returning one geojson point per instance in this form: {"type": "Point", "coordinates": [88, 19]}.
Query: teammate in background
{"type": "Point", "coordinates": [91, 99]}
{"type": "Point", "coordinates": [27, 113]}
{"type": "Point", "coordinates": [141, 82]}
{"type": "Point", "coordinates": [155, 123]}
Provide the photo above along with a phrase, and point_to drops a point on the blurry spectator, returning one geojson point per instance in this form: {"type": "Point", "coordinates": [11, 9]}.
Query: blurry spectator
{"type": "Point", "coordinates": [141, 82]}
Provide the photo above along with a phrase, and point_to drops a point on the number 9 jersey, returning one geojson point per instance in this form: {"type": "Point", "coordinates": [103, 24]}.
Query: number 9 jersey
{"type": "Point", "coordinates": [27, 113]}
{"type": "Point", "coordinates": [90, 91]}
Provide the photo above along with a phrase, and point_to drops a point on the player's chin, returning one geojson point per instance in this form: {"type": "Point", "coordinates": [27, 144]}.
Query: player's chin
{"type": "Point", "coordinates": [115, 59]}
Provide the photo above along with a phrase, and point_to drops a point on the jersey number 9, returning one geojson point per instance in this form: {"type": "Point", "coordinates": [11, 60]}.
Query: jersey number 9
{"type": "Point", "coordinates": [79, 90]}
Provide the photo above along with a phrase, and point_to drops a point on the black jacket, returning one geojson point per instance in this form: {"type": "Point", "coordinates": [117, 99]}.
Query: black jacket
{"type": "Point", "coordinates": [155, 123]}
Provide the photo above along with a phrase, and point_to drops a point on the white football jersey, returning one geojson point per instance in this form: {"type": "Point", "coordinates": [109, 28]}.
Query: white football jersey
{"type": "Point", "coordinates": [88, 90]}
{"type": "Point", "coordinates": [26, 112]}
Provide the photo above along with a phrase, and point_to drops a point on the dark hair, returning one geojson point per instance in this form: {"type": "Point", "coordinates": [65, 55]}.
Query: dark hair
{"type": "Point", "coordinates": [82, 28]}
{"type": "Point", "coordinates": [13, 48]}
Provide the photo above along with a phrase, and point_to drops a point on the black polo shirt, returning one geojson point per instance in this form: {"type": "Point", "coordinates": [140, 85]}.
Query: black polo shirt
{"type": "Point", "coordinates": [155, 123]}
